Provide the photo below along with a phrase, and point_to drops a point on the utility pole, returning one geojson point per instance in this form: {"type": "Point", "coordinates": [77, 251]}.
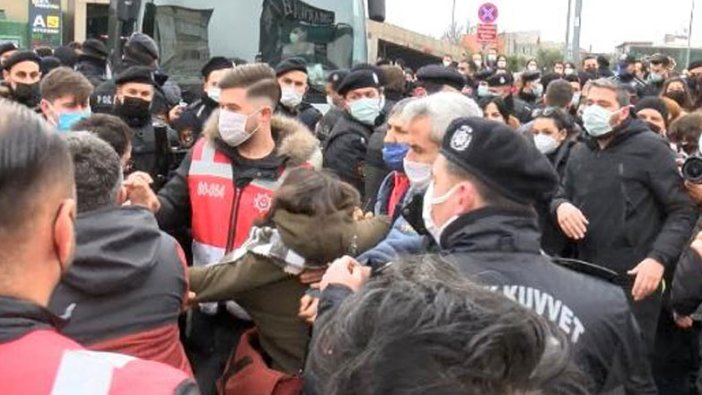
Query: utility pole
{"type": "Point", "coordinates": [567, 51]}
{"type": "Point", "coordinates": [689, 33]}
{"type": "Point", "coordinates": [453, 17]}
{"type": "Point", "coordinates": [577, 23]}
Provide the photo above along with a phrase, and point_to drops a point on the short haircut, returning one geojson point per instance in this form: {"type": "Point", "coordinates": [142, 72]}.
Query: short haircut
{"type": "Point", "coordinates": [423, 328]}
{"type": "Point", "coordinates": [498, 102]}
{"type": "Point", "coordinates": [559, 94]}
{"type": "Point", "coordinates": [34, 159]}
{"type": "Point", "coordinates": [98, 171]}
{"type": "Point", "coordinates": [62, 81]}
{"type": "Point", "coordinates": [687, 127]}
{"type": "Point", "coordinates": [623, 97]}
{"type": "Point", "coordinates": [395, 78]}
{"type": "Point", "coordinates": [109, 128]}
{"type": "Point", "coordinates": [257, 78]}
{"type": "Point", "coordinates": [399, 107]}
{"type": "Point", "coordinates": [441, 108]}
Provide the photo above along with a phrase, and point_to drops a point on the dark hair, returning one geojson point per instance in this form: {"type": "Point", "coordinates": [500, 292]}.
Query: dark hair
{"type": "Point", "coordinates": [109, 128]}
{"type": "Point", "coordinates": [562, 119]}
{"type": "Point", "coordinates": [573, 78]}
{"type": "Point", "coordinates": [257, 78]}
{"type": "Point", "coordinates": [687, 96]}
{"type": "Point", "coordinates": [395, 78]}
{"type": "Point", "coordinates": [423, 328]}
{"type": "Point", "coordinates": [44, 51]}
{"type": "Point", "coordinates": [498, 102]}
{"type": "Point", "coordinates": [314, 193]}
{"type": "Point", "coordinates": [63, 81]}
{"type": "Point", "coordinates": [589, 57]}
{"type": "Point", "coordinates": [559, 93]}
{"type": "Point", "coordinates": [686, 128]}
{"type": "Point", "coordinates": [98, 171]}
{"type": "Point", "coordinates": [430, 87]}
{"type": "Point", "coordinates": [33, 159]}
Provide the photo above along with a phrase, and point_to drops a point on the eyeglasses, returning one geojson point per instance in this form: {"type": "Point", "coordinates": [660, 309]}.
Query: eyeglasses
{"type": "Point", "coordinates": [547, 112]}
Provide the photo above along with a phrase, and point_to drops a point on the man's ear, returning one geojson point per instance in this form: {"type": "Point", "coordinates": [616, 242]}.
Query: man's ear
{"type": "Point", "coordinates": [45, 109]}
{"type": "Point", "coordinates": [469, 199]}
{"type": "Point", "coordinates": [64, 233]}
{"type": "Point", "coordinates": [122, 196]}
{"type": "Point", "coordinates": [5, 75]}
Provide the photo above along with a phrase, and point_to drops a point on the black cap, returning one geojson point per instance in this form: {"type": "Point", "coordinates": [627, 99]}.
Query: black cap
{"type": "Point", "coordinates": [94, 48]}
{"type": "Point", "coordinates": [654, 103]}
{"type": "Point", "coordinates": [502, 79]}
{"type": "Point", "coordinates": [7, 46]}
{"type": "Point", "coordinates": [501, 158]}
{"type": "Point", "coordinates": [141, 48]}
{"type": "Point", "coordinates": [216, 63]}
{"type": "Point", "coordinates": [140, 74]}
{"type": "Point", "coordinates": [291, 64]}
{"type": "Point", "coordinates": [376, 69]}
{"type": "Point", "coordinates": [336, 77]}
{"type": "Point", "coordinates": [66, 55]}
{"type": "Point", "coordinates": [438, 74]}
{"type": "Point", "coordinates": [528, 76]}
{"type": "Point", "coordinates": [49, 63]}
{"type": "Point", "coordinates": [22, 56]}
{"type": "Point", "coordinates": [695, 64]}
{"type": "Point", "coordinates": [659, 58]}
{"type": "Point", "coordinates": [359, 79]}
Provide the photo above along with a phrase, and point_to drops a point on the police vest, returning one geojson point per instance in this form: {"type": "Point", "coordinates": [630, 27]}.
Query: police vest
{"type": "Point", "coordinates": [44, 362]}
{"type": "Point", "coordinates": [222, 212]}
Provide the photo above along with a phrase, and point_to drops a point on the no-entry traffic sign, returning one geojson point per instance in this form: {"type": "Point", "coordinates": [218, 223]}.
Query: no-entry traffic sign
{"type": "Point", "coordinates": [487, 13]}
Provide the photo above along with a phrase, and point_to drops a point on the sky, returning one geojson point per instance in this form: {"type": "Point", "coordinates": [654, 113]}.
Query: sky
{"type": "Point", "coordinates": [605, 23]}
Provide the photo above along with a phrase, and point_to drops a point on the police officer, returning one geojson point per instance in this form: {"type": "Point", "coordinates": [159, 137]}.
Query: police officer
{"type": "Point", "coordinates": [434, 78]}
{"type": "Point", "coordinates": [92, 61]}
{"type": "Point", "coordinates": [335, 102]}
{"type": "Point", "coordinates": [132, 103]}
{"type": "Point", "coordinates": [200, 110]}
{"type": "Point", "coordinates": [21, 74]}
{"type": "Point", "coordinates": [7, 49]}
{"type": "Point", "coordinates": [292, 78]}
{"type": "Point", "coordinates": [501, 85]}
{"type": "Point", "coordinates": [478, 209]}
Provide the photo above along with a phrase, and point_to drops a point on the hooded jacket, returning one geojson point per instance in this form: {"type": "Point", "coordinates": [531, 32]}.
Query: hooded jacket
{"type": "Point", "coordinates": [633, 197]}
{"type": "Point", "coordinates": [266, 287]}
{"type": "Point", "coordinates": [126, 287]}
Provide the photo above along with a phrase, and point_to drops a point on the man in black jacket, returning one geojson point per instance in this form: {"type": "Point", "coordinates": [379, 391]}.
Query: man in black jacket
{"type": "Point", "coordinates": [292, 78]}
{"type": "Point", "coordinates": [622, 200]}
{"type": "Point", "coordinates": [201, 109]}
{"type": "Point", "coordinates": [479, 211]}
{"type": "Point", "coordinates": [92, 61]}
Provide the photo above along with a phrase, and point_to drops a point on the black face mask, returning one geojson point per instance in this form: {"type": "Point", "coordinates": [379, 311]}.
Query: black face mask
{"type": "Point", "coordinates": [134, 111]}
{"type": "Point", "coordinates": [27, 94]}
{"type": "Point", "coordinates": [678, 96]}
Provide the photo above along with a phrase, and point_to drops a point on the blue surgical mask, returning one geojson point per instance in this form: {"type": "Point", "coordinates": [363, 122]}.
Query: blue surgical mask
{"type": "Point", "coordinates": [66, 120]}
{"type": "Point", "coordinates": [484, 91]}
{"type": "Point", "coordinates": [394, 155]}
{"type": "Point", "coordinates": [537, 90]}
{"type": "Point", "coordinates": [596, 120]}
{"type": "Point", "coordinates": [655, 77]}
{"type": "Point", "coordinates": [213, 93]}
{"type": "Point", "coordinates": [365, 110]}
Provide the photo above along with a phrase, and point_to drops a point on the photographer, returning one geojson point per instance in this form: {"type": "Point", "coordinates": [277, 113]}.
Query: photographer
{"type": "Point", "coordinates": [685, 134]}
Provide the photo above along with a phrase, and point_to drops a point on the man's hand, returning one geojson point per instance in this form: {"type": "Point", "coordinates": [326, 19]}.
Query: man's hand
{"type": "Point", "coordinates": [572, 221]}
{"type": "Point", "coordinates": [175, 113]}
{"type": "Point", "coordinates": [139, 176]}
{"type": "Point", "coordinates": [648, 276]}
{"type": "Point", "coordinates": [694, 191]}
{"type": "Point", "coordinates": [311, 276]}
{"type": "Point", "coordinates": [308, 309]}
{"type": "Point", "coordinates": [683, 321]}
{"type": "Point", "coordinates": [140, 193]}
{"type": "Point", "coordinates": [346, 271]}
{"type": "Point", "coordinates": [697, 244]}
{"type": "Point", "coordinates": [359, 215]}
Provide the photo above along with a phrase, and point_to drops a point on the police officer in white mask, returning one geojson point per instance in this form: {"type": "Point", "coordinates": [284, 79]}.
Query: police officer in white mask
{"type": "Point", "coordinates": [292, 78]}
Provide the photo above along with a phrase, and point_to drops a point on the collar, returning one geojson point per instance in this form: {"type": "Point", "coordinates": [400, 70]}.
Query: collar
{"type": "Point", "coordinates": [491, 229]}
{"type": "Point", "coordinates": [19, 317]}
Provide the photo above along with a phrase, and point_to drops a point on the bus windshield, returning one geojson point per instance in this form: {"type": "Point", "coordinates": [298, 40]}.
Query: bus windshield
{"type": "Point", "coordinates": [328, 34]}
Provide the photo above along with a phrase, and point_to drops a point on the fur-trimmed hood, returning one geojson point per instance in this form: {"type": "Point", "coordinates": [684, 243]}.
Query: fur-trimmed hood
{"type": "Point", "coordinates": [294, 141]}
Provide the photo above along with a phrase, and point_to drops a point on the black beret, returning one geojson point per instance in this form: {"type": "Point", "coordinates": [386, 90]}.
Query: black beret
{"type": "Point", "coordinates": [336, 77]}
{"type": "Point", "coordinates": [439, 74]}
{"type": "Point", "coordinates": [659, 58]}
{"type": "Point", "coordinates": [216, 63]}
{"type": "Point", "coordinates": [359, 79]}
{"type": "Point", "coordinates": [22, 56]}
{"type": "Point", "coordinates": [530, 76]}
{"type": "Point", "coordinates": [502, 79]}
{"type": "Point", "coordinates": [291, 64]}
{"type": "Point", "coordinates": [654, 103]}
{"type": "Point", "coordinates": [695, 64]}
{"type": "Point", "coordinates": [66, 55]}
{"type": "Point", "coordinates": [142, 48]}
{"type": "Point", "coordinates": [140, 74]}
{"type": "Point", "coordinates": [7, 46]}
{"type": "Point", "coordinates": [501, 158]}
{"type": "Point", "coordinates": [95, 48]}
{"type": "Point", "coordinates": [49, 63]}
{"type": "Point", "coordinates": [376, 69]}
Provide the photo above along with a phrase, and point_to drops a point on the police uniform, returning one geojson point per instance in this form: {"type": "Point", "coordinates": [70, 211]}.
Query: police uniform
{"type": "Point", "coordinates": [303, 112]}
{"type": "Point", "coordinates": [517, 107]}
{"type": "Point", "coordinates": [326, 124]}
{"type": "Point", "coordinates": [441, 76]}
{"type": "Point", "coordinates": [201, 109]}
{"type": "Point", "coordinates": [500, 248]}
{"type": "Point", "coordinates": [27, 94]}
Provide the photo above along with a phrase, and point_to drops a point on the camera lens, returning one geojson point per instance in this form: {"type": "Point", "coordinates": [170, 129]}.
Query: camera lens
{"type": "Point", "coordinates": [692, 170]}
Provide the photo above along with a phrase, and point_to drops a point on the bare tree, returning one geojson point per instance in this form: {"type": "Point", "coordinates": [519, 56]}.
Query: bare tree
{"type": "Point", "coordinates": [454, 33]}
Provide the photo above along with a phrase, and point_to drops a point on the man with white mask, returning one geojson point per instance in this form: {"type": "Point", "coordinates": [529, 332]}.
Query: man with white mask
{"type": "Point", "coordinates": [292, 78]}
{"type": "Point", "coordinates": [226, 182]}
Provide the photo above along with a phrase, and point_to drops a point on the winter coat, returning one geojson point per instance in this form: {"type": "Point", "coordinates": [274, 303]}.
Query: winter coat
{"type": "Point", "coordinates": [553, 241]}
{"type": "Point", "coordinates": [126, 286]}
{"type": "Point", "coordinates": [345, 151]}
{"type": "Point", "coordinates": [305, 113]}
{"type": "Point", "coordinates": [326, 124]}
{"type": "Point", "coordinates": [263, 280]}
{"type": "Point", "coordinates": [93, 69]}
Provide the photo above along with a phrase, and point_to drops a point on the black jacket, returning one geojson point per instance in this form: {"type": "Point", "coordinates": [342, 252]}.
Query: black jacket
{"type": "Point", "coordinates": [686, 292]}
{"type": "Point", "coordinates": [345, 151]}
{"type": "Point", "coordinates": [553, 241]}
{"type": "Point", "coordinates": [375, 169]}
{"type": "Point", "coordinates": [94, 70]}
{"type": "Point", "coordinates": [633, 197]}
{"type": "Point", "coordinates": [304, 113]}
{"type": "Point", "coordinates": [201, 110]}
{"type": "Point", "coordinates": [326, 124]}
{"type": "Point", "coordinates": [501, 249]}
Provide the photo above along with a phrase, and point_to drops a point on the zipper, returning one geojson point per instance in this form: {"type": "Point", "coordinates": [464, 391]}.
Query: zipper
{"type": "Point", "coordinates": [233, 219]}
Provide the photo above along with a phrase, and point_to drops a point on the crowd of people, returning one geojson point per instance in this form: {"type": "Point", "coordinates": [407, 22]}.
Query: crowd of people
{"type": "Point", "coordinates": [456, 229]}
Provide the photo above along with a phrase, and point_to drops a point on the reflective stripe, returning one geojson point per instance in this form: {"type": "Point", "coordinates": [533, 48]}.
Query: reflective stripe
{"type": "Point", "coordinates": [83, 372]}
{"type": "Point", "coordinates": [208, 152]}
{"type": "Point", "coordinates": [200, 168]}
{"type": "Point", "coordinates": [204, 253]}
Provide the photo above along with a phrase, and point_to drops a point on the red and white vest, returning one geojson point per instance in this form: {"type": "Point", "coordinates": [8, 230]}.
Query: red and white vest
{"type": "Point", "coordinates": [43, 362]}
{"type": "Point", "coordinates": [217, 205]}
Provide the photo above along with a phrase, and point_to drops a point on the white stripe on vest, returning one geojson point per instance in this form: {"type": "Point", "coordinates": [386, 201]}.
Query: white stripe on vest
{"type": "Point", "coordinates": [206, 166]}
{"type": "Point", "coordinates": [83, 372]}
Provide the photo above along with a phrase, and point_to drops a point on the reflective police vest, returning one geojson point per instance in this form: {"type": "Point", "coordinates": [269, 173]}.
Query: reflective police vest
{"type": "Point", "coordinates": [44, 362]}
{"type": "Point", "coordinates": [222, 212]}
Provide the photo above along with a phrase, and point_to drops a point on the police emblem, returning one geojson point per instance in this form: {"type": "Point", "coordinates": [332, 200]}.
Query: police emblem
{"type": "Point", "coordinates": [262, 203]}
{"type": "Point", "coordinates": [462, 138]}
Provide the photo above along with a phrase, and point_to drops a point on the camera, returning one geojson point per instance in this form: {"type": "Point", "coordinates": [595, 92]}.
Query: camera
{"type": "Point", "coordinates": [692, 170]}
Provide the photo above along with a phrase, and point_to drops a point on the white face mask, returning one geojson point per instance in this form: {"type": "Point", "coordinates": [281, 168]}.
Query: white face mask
{"type": "Point", "coordinates": [429, 202]}
{"type": "Point", "coordinates": [419, 174]}
{"type": "Point", "coordinates": [330, 101]}
{"type": "Point", "coordinates": [214, 93]}
{"type": "Point", "coordinates": [545, 144]}
{"type": "Point", "coordinates": [232, 127]}
{"type": "Point", "coordinates": [290, 97]}
{"type": "Point", "coordinates": [502, 64]}
{"type": "Point", "coordinates": [532, 67]}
